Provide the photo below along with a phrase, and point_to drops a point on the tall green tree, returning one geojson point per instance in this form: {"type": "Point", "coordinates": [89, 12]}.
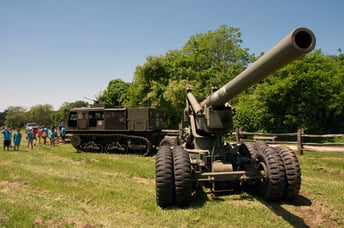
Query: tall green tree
{"type": "Point", "coordinates": [2, 117]}
{"type": "Point", "coordinates": [307, 93]}
{"type": "Point", "coordinates": [216, 57]}
{"type": "Point", "coordinates": [115, 93]}
{"type": "Point", "coordinates": [41, 114]}
{"type": "Point", "coordinates": [149, 82]}
{"type": "Point", "coordinates": [206, 60]}
{"type": "Point", "coordinates": [16, 117]}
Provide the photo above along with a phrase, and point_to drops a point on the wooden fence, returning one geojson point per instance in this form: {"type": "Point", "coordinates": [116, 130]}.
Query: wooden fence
{"type": "Point", "coordinates": [299, 136]}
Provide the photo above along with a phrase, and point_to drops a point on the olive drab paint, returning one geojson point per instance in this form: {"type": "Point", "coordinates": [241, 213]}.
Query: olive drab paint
{"type": "Point", "coordinates": [200, 156]}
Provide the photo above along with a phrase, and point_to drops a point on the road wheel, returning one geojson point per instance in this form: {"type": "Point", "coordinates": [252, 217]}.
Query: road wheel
{"type": "Point", "coordinates": [272, 185]}
{"type": "Point", "coordinates": [182, 176]}
{"type": "Point", "coordinates": [164, 177]}
{"type": "Point", "coordinates": [292, 172]}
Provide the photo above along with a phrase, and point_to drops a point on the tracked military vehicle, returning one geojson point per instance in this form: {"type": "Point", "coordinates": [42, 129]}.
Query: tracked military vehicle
{"type": "Point", "coordinates": [112, 129]}
{"type": "Point", "coordinates": [200, 156]}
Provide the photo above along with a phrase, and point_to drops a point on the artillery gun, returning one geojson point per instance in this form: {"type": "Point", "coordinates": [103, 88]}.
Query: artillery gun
{"type": "Point", "coordinates": [199, 155]}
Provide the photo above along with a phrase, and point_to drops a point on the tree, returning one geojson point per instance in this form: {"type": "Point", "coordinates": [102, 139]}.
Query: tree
{"type": "Point", "coordinates": [307, 93]}
{"type": "Point", "coordinates": [216, 57]}
{"type": "Point", "coordinates": [249, 113]}
{"type": "Point", "coordinates": [3, 117]}
{"type": "Point", "coordinates": [41, 114]}
{"type": "Point", "coordinates": [174, 100]}
{"type": "Point", "coordinates": [148, 84]}
{"type": "Point", "coordinates": [115, 93]}
{"type": "Point", "coordinates": [206, 60]}
{"type": "Point", "coordinates": [16, 117]}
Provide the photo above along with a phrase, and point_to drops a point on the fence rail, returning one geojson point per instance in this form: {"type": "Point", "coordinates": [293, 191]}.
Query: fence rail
{"type": "Point", "coordinates": [299, 135]}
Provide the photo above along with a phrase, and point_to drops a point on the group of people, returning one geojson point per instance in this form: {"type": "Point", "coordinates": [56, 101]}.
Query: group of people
{"type": "Point", "coordinates": [7, 136]}
{"type": "Point", "coordinates": [33, 136]}
{"type": "Point", "coordinates": [42, 133]}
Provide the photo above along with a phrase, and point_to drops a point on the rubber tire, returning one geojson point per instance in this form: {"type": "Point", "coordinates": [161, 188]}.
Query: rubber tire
{"type": "Point", "coordinates": [292, 172]}
{"type": "Point", "coordinates": [271, 188]}
{"type": "Point", "coordinates": [182, 176]}
{"type": "Point", "coordinates": [248, 149]}
{"type": "Point", "coordinates": [164, 177]}
{"type": "Point", "coordinates": [167, 141]}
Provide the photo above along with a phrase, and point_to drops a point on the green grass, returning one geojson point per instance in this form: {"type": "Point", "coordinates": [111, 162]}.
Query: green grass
{"type": "Point", "coordinates": [55, 186]}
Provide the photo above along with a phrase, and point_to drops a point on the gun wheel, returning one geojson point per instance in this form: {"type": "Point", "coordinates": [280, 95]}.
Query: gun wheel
{"type": "Point", "coordinates": [272, 185]}
{"type": "Point", "coordinates": [292, 172]}
{"type": "Point", "coordinates": [167, 141]}
{"type": "Point", "coordinates": [182, 176]}
{"type": "Point", "coordinates": [248, 149]}
{"type": "Point", "coordinates": [164, 177]}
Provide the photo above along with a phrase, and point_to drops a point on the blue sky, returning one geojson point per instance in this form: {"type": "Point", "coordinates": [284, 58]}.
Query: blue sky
{"type": "Point", "coordinates": [55, 51]}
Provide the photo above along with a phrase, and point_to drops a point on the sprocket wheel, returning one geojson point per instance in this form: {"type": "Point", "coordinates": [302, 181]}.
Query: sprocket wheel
{"type": "Point", "coordinates": [76, 141]}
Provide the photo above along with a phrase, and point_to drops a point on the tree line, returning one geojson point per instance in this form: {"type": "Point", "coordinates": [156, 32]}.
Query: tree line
{"type": "Point", "coordinates": [308, 93]}
{"type": "Point", "coordinates": [43, 114]}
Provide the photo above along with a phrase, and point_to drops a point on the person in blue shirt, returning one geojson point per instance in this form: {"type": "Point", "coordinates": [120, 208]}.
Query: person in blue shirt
{"type": "Point", "coordinates": [44, 134]}
{"type": "Point", "coordinates": [7, 138]}
{"type": "Point", "coordinates": [52, 136]}
{"type": "Point", "coordinates": [30, 137]}
{"type": "Point", "coordinates": [63, 133]}
{"type": "Point", "coordinates": [16, 140]}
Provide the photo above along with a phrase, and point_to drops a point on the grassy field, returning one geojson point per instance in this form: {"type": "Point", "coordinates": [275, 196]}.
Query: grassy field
{"type": "Point", "coordinates": [57, 187]}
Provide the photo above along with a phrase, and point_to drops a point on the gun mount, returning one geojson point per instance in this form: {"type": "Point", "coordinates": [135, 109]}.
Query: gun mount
{"type": "Point", "coordinates": [200, 155]}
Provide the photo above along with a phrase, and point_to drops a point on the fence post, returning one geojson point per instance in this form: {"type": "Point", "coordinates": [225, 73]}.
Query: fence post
{"type": "Point", "coordinates": [300, 132]}
{"type": "Point", "coordinates": [237, 136]}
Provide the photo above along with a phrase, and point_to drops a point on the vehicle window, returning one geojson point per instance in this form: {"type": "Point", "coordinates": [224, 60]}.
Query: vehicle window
{"type": "Point", "coordinates": [72, 121]}
{"type": "Point", "coordinates": [94, 116]}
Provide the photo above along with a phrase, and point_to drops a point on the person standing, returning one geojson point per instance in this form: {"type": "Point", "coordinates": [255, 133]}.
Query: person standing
{"type": "Point", "coordinates": [44, 134]}
{"type": "Point", "coordinates": [63, 133]}
{"type": "Point", "coordinates": [39, 134]}
{"type": "Point", "coordinates": [7, 138]}
{"type": "Point", "coordinates": [60, 125]}
{"type": "Point", "coordinates": [34, 132]}
{"type": "Point", "coordinates": [59, 128]}
{"type": "Point", "coordinates": [16, 140]}
{"type": "Point", "coordinates": [30, 137]}
{"type": "Point", "coordinates": [52, 136]}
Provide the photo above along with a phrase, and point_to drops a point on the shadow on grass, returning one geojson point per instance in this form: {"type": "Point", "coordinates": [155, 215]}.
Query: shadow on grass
{"type": "Point", "coordinates": [292, 219]}
{"type": "Point", "coordinates": [200, 197]}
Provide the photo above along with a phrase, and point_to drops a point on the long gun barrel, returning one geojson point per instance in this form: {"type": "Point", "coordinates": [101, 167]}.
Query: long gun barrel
{"type": "Point", "coordinates": [299, 42]}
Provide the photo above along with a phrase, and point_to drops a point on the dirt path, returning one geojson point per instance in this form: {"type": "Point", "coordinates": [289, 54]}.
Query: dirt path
{"type": "Point", "coordinates": [325, 148]}
{"type": "Point", "coordinates": [319, 148]}
{"type": "Point", "coordinates": [314, 212]}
